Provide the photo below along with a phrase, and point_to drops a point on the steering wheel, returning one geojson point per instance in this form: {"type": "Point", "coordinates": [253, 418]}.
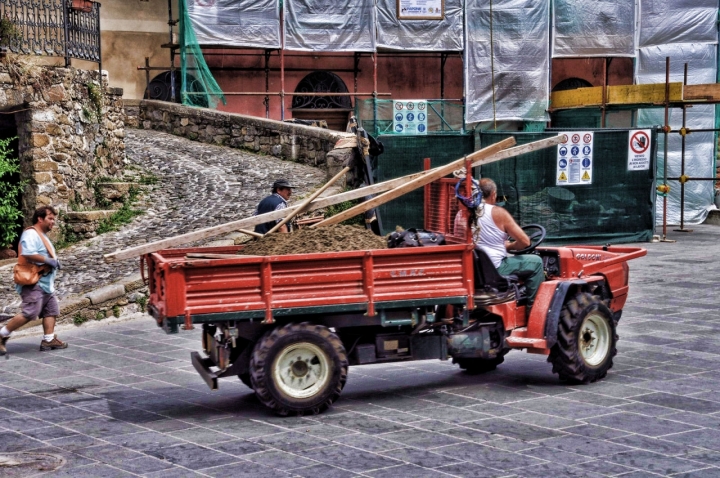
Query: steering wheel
{"type": "Point", "coordinates": [536, 233]}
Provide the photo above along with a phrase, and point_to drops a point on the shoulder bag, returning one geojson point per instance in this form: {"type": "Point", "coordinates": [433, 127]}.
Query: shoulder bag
{"type": "Point", "coordinates": [27, 273]}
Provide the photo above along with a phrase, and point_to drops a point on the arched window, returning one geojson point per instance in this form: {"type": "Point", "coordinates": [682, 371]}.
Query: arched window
{"type": "Point", "coordinates": [571, 84]}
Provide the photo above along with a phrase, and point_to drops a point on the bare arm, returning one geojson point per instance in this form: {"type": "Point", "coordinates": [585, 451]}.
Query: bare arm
{"type": "Point", "coordinates": [37, 258]}
{"type": "Point", "coordinates": [507, 224]}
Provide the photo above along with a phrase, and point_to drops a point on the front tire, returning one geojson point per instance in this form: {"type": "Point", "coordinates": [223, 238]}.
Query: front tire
{"type": "Point", "coordinates": [298, 369]}
{"type": "Point", "coordinates": [586, 342]}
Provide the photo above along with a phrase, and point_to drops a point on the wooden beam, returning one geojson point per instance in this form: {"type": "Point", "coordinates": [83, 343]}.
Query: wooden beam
{"type": "Point", "coordinates": [576, 98]}
{"type": "Point", "coordinates": [416, 183]}
{"type": "Point", "coordinates": [709, 93]}
{"type": "Point", "coordinates": [253, 221]}
{"type": "Point", "coordinates": [619, 95]}
{"type": "Point", "coordinates": [653, 93]}
{"type": "Point", "coordinates": [319, 203]}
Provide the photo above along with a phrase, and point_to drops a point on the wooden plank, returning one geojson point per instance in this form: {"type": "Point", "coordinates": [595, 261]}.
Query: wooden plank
{"type": "Point", "coordinates": [253, 221]}
{"type": "Point", "coordinates": [416, 183]}
{"type": "Point", "coordinates": [576, 98]}
{"type": "Point", "coordinates": [274, 215]}
{"type": "Point", "coordinates": [302, 207]}
{"type": "Point", "coordinates": [709, 93]}
{"type": "Point", "coordinates": [653, 93]}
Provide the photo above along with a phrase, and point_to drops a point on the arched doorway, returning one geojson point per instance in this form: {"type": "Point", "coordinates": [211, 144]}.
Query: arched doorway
{"type": "Point", "coordinates": [579, 118]}
{"type": "Point", "coordinates": [333, 109]}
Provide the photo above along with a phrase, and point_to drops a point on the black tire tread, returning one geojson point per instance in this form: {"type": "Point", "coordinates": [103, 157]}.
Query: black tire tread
{"type": "Point", "coordinates": [258, 365]}
{"type": "Point", "coordinates": [565, 356]}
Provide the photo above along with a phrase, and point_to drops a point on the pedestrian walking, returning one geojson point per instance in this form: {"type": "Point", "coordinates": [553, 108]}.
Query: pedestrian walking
{"type": "Point", "coordinates": [35, 281]}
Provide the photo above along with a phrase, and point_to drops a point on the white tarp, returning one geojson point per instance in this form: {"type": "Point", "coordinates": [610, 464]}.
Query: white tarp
{"type": "Point", "coordinates": [699, 147]}
{"type": "Point", "coordinates": [420, 35]}
{"type": "Point", "coordinates": [520, 59]}
{"type": "Point", "coordinates": [583, 28]}
{"type": "Point", "coordinates": [237, 23]}
{"type": "Point", "coordinates": [678, 21]}
{"type": "Point", "coordinates": [330, 25]}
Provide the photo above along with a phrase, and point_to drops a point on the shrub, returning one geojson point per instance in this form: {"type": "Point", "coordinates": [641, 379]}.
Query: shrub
{"type": "Point", "coordinates": [9, 210]}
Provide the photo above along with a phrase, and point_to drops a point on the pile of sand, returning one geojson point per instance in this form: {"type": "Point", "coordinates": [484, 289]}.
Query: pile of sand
{"type": "Point", "coordinates": [322, 239]}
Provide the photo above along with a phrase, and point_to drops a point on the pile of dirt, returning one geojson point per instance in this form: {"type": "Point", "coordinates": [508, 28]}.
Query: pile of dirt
{"type": "Point", "coordinates": [322, 239]}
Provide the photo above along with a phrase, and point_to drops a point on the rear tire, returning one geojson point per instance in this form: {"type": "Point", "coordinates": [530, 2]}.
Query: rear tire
{"type": "Point", "coordinates": [298, 369]}
{"type": "Point", "coordinates": [586, 342]}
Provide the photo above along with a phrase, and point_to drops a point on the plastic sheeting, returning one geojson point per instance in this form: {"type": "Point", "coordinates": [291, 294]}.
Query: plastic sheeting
{"type": "Point", "coordinates": [236, 23]}
{"type": "Point", "coordinates": [678, 21]}
{"type": "Point", "coordinates": [330, 25]}
{"type": "Point", "coordinates": [420, 35]}
{"type": "Point", "coordinates": [699, 147]}
{"type": "Point", "coordinates": [584, 28]}
{"type": "Point", "coordinates": [519, 58]}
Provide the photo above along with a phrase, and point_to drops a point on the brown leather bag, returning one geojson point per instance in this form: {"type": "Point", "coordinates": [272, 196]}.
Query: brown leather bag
{"type": "Point", "coordinates": [27, 273]}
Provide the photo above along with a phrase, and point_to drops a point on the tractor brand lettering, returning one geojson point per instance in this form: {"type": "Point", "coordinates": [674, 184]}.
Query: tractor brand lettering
{"type": "Point", "coordinates": [408, 273]}
{"type": "Point", "coordinates": [588, 257]}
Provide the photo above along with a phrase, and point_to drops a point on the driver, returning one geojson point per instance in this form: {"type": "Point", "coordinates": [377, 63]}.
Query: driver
{"type": "Point", "coordinates": [494, 226]}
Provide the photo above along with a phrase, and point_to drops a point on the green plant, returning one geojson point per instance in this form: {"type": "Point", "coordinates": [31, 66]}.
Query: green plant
{"type": "Point", "coordinates": [343, 206]}
{"type": "Point", "coordinates": [9, 192]}
{"type": "Point", "coordinates": [116, 310]}
{"type": "Point", "coordinates": [148, 179]}
{"type": "Point", "coordinates": [96, 97]}
{"type": "Point", "coordinates": [122, 216]}
{"type": "Point", "coordinates": [9, 32]}
{"type": "Point", "coordinates": [79, 319]}
{"type": "Point", "coordinates": [100, 315]}
{"type": "Point", "coordinates": [142, 302]}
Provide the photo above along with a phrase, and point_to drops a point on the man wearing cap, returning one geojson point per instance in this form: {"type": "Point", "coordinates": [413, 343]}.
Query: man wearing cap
{"type": "Point", "coordinates": [281, 191]}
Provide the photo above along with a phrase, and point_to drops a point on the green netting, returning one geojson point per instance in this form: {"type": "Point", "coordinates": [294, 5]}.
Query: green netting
{"type": "Point", "coordinates": [404, 155]}
{"type": "Point", "coordinates": [198, 86]}
{"type": "Point", "coordinates": [443, 116]}
{"type": "Point", "coordinates": [617, 207]}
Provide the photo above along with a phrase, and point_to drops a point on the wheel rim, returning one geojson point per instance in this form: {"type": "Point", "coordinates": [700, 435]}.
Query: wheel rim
{"type": "Point", "coordinates": [301, 370]}
{"type": "Point", "coordinates": [594, 339]}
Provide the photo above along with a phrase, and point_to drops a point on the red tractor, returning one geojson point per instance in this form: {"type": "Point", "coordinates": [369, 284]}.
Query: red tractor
{"type": "Point", "coordinates": [289, 326]}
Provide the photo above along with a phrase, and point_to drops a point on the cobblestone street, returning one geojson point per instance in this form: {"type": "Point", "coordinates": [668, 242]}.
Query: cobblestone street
{"type": "Point", "coordinates": [199, 185]}
{"type": "Point", "coordinates": [124, 400]}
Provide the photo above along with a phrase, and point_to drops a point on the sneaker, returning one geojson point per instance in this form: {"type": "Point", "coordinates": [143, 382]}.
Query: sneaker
{"type": "Point", "coordinates": [55, 343]}
{"type": "Point", "coordinates": [3, 341]}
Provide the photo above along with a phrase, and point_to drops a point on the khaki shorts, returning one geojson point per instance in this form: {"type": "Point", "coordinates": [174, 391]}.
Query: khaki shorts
{"type": "Point", "coordinates": [38, 303]}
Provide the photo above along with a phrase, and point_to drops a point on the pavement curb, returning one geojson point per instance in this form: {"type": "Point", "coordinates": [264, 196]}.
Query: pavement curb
{"type": "Point", "coordinates": [88, 304]}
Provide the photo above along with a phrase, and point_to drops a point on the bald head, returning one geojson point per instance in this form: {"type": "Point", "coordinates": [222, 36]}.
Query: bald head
{"type": "Point", "coordinates": [488, 187]}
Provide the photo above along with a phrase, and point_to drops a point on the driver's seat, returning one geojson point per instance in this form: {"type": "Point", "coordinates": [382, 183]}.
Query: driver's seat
{"type": "Point", "coordinates": [490, 286]}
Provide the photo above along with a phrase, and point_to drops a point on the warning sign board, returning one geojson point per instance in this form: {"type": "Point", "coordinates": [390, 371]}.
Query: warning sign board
{"type": "Point", "coordinates": [639, 150]}
{"type": "Point", "coordinates": [410, 116]}
{"type": "Point", "coordinates": [575, 159]}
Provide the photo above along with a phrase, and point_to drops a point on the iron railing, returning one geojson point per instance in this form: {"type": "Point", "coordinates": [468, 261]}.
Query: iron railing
{"type": "Point", "coordinates": [64, 28]}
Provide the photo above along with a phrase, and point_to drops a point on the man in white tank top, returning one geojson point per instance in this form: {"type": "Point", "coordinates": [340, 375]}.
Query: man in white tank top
{"type": "Point", "coordinates": [494, 226]}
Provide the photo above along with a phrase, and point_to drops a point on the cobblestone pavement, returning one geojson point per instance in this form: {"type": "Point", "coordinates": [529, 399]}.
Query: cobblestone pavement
{"type": "Point", "coordinates": [124, 400]}
{"type": "Point", "coordinates": [199, 185]}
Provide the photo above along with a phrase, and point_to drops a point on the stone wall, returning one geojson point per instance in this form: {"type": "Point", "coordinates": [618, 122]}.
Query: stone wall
{"type": "Point", "coordinates": [300, 143]}
{"type": "Point", "coordinates": [70, 131]}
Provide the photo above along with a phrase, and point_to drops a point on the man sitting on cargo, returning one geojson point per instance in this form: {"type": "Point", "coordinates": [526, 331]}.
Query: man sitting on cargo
{"type": "Point", "coordinates": [281, 191]}
{"type": "Point", "coordinates": [491, 230]}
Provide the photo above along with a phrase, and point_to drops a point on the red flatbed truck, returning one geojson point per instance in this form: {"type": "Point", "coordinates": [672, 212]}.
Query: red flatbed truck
{"type": "Point", "coordinates": [290, 325]}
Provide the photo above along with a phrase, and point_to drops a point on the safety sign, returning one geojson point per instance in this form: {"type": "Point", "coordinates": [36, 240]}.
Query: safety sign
{"type": "Point", "coordinates": [639, 150]}
{"type": "Point", "coordinates": [410, 116]}
{"type": "Point", "coordinates": [420, 9]}
{"type": "Point", "coordinates": [575, 159]}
